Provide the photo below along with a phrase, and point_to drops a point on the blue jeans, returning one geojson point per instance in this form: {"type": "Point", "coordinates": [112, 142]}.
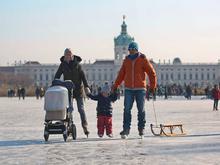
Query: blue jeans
{"type": "Point", "coordinates": [80, 106]}
{"type": "Point", "coordinates": [130, 96]}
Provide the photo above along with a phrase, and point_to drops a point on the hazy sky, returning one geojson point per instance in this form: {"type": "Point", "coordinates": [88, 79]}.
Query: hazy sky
{"type": "Point", "coordinates": [41, 29]}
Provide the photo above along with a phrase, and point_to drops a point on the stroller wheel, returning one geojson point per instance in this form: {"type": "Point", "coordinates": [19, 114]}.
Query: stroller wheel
{"type": "Point", "coordinates": [74, 131]}
{"type": "Point", "coordinates": [64, 136]}
{"type": "Point", "coordinates": [46, 137]}
{"type": "Point", "coordinates": [46, 134]}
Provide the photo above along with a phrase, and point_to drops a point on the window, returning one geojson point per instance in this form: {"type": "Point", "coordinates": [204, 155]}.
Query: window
{"type": "Point", "coordinates": [41, 77]}
{"type": "Point", "coordinates": [213, 76]}
{"type": "Point", "coordinates": [190, 76]}
{"type": "Point", "coordinates": [35, 77]}
{"type": "Point", "coordinates": [167, 77]}
{"type": "Point", "coordinates": [161, 76]}
{"type": "Point", "coordinates": [207, 76]}
{"type": "Point", "coordinates": [100, 76]}
{"type": "Point", "coordinates": [184, 76]}
{"type": "Point", "coordinates": [171, 76]}
{"type": "Point", "coordinates": [111, 76]}
{"type": "Point", "coordinates": [179, 76]}
{"type": "Point", "coordinates": [202, 76]}
{"type": "Point", "coordinates": [93, 76]}
{"type": "Point", "coordinates": [105, 76]}
{"type": "Point", "coordinates": [47, 77]}
{"type": "Point", "coordinates": [196, 76]}
{"type": "Point", "coordinates": [52, 76]}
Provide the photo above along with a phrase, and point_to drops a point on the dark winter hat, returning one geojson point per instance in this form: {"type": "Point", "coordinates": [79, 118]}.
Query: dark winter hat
{"type": "Point", "coordinates": [67, 50]}
{"type": "Point", "coordinates": [133, 45]}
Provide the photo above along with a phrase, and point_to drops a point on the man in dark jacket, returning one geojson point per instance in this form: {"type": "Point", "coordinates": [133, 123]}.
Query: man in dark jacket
{"type": "Point", "coordinates": [72, 70]}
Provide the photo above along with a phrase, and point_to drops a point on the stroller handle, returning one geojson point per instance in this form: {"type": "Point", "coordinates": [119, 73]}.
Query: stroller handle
{"type": "Point", "coordinates": [67, 84]}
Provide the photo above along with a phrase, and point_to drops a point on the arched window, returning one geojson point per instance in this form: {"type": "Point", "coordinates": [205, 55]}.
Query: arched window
{"type": "Point", "coordinates": [202, 76]}
{"type": "Point", "coordinates": [196, 76]}
{"type": "Point", "coordinates": [171, 76]}
{"type": "Point", "coordinates": [207, 76]}
{"type": "Point", "coordinates": [179, 76]}
{"type": "Point", "coordinates": [213, 76]}
{"type": "Point", "coordinates": [47, 77]}
{"type": "Point", "coordinates": [167, 76]}
{"type": "Point", "coordinates": [184, 76]}
{"type": "Point", "coordinates": [161, 76]}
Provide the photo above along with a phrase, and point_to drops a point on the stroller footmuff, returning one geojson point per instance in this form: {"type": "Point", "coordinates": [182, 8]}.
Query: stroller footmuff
{"type": "Point", "coordinates": [58, 106]}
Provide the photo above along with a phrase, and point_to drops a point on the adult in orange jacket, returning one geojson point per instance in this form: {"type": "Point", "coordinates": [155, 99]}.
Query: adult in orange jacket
{"type": "Point", "coordinates": [133, 72]}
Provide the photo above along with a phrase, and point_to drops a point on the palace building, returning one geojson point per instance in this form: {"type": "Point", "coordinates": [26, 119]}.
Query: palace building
{"type": "Point", "coordinates": [200, 74]}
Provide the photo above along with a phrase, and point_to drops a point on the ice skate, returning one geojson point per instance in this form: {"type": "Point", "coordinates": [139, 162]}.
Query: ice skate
{"type": "Point", "coordinates": [110, 135]}
{"type": "Point", "coordinates": [141, 133]}
{"type": "Point", "coordinates": [100, 135]}
{"type": "Point", "coordinates": [86, 132]}
{"type": "Point", "coordinates": [124, 134]}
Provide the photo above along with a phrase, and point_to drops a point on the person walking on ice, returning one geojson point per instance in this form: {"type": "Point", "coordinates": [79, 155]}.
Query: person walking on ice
{"type": "Point", "coordinates": [133, 72]}
{"type": "Point", "coordinates": [104, 110]}
{"type": "Point", "coordinates": [71, 69]}
{"type": "Point", "coordinates": [216, 97]}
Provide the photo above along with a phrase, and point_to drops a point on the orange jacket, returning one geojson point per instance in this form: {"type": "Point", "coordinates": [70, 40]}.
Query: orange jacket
{"type": "Point", "coordinates": [134, 73]}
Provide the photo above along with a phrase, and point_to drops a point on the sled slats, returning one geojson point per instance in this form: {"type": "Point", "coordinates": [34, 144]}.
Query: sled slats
{"type": "Point", "coordinates": [168, 130]}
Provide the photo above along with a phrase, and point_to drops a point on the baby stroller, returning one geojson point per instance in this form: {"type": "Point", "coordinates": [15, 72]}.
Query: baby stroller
{"type": "Point", "coordinates": [58, 105]}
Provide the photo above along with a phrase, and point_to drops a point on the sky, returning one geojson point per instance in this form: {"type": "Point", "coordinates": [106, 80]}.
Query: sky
{"type": "Point", "coordinates": [40, 30]}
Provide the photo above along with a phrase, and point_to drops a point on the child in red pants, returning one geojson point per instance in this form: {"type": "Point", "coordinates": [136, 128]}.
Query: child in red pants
{"type": "Point", "coordinates": [104, 110]}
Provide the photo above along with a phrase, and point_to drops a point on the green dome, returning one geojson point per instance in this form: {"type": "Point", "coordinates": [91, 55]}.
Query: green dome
{"type": "Point", "coordinates": [123, 38]}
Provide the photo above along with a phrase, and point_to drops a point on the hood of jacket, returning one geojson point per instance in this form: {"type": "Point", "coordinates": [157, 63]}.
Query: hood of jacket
{"type": "Point", "coordinates": [76, 58]}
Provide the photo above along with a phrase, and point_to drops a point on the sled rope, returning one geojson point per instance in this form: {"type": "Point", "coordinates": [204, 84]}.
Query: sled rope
{"type": "Point", "coordinates": [155, 115]}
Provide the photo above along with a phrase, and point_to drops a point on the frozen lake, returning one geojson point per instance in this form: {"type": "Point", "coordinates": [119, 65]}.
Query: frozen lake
{"type": "Point", "coordinates": [22, 124]}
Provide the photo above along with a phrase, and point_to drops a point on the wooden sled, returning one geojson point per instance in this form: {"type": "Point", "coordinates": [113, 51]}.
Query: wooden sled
{"type": "Point", "coordinates": [167, 130]}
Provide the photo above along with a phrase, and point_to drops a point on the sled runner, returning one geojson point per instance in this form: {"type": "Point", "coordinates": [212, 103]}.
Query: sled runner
{"type": "Point", "coordinates": [167, 130]}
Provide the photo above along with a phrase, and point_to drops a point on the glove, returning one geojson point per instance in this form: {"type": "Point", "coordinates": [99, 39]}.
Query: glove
{"type": "Point", "coordinates": [87, 91]}
{"type": "Point", "coordinates": [152, 90]}
{"type": "Point", "coordinates": [114, 90]}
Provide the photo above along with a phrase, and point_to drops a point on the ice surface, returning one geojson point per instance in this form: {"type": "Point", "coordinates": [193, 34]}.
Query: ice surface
{"type": "Point", "coordinates": [21, 135]}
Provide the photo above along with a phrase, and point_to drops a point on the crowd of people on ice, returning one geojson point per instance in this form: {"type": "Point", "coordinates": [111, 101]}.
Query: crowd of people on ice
{"type": "Point", "coordinates": [133, 72]}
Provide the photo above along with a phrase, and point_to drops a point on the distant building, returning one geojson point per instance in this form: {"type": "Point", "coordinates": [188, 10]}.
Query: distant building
{"type": "Point", "coordinates": [199, 74]}
{"type": "Point", "coordinates": [41, 74]}
{"type": "Point", "coordinates": [7, 69]}
{"type": "Point", "coordinates": [106, 70]}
